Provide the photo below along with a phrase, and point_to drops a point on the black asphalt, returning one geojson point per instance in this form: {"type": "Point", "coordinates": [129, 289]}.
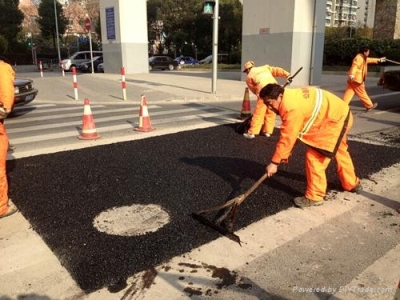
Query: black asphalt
{"type": "Point", "coordinates": [60, 194]}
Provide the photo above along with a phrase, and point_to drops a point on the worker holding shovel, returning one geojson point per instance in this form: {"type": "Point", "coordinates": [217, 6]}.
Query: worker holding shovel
{"type": "Point", "coordinates": [356, 78]}
{"type": "Point", "coordinates": [321, 120]}
{"type": "Point", "coordinates": [263, 119]}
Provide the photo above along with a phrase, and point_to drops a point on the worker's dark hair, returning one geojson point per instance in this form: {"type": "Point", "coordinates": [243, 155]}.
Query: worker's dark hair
{"type": "Point", "coordinates": [364, 49]}
{"type": "Point", "coordinates": [5, 59]}
{"type": "Point", "coordinates": [271, 91]}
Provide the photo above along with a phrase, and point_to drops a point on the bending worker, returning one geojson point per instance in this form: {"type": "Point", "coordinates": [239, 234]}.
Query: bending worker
{"type": "Point", "coordinates": [7, 76]}
{"type": "Point", "coordinates": [321, 120]}
{"type": "Point", "coordinates": [263, 119]}
{"type": "Point", "coordinates": [356, 78]}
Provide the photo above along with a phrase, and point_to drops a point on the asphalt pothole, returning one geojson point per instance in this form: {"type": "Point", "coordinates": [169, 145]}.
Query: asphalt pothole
{"type": "Point", "coordinates": [131, 220]}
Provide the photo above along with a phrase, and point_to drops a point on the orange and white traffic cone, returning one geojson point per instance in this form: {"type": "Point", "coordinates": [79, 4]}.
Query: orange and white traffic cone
{"type": "Point", "coordinates": [246, 109]}
{"type": "Point", "coordinates": [144, 118]}
{"type": "Point", "coordinates": [88, 127]}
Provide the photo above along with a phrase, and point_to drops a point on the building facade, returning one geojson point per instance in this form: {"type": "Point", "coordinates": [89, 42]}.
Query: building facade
{"type": "Point", "coordinates": [350, 13]}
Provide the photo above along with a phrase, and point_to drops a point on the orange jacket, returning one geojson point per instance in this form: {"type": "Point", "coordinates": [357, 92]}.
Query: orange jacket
{"type": "Point", "coordinates": [359, 67]}
{"type": "Point", "coordinates": [314, 116]}
{"type": "Point", "coordinates": [7, 76]}
{"type": "Point", "coordinates": [259, 77]}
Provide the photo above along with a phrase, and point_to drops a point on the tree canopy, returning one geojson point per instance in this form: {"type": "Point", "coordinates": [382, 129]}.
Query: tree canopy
{"type": "Point", "coordinates": [10, 19]}
{"type": "Point", "coordinates": [184, 26]}
{"type": "Point", "coordinates": [46, 20]}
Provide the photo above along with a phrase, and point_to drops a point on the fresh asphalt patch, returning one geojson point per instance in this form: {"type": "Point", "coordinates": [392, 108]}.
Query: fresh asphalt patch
{"type": "Point", "coordinates": [108, 212]}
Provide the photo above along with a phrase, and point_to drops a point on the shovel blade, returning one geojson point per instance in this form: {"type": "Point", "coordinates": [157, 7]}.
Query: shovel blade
{"type": "Point", "coordinates": [225, 232]}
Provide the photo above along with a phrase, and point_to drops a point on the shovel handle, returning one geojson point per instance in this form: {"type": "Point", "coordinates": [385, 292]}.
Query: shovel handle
{"type": "Point", "coordinates": [253, 187]}
{"type": "Point", "coordinates": [293, 76]}
{"type": "Point", "coordinates": [392, 61]}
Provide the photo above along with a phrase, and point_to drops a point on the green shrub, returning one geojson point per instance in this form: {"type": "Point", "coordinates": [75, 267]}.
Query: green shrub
{"type": "Point", "coordinates": [342, 51]}
{"type": "Point", "coordinates": [3, 44]}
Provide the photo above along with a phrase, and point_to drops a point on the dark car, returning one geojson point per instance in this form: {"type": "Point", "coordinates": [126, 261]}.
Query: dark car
{"type": "Point", "coordinates": [390, 80]}
{"type": "Point", "coordinates": [187, 60]}
{"type": "Point", "coordinates": [86, 67]}
{"type": "Point", "coordinates": [162, 63]}
{"type": "Point", "coordinates": [24, 91]}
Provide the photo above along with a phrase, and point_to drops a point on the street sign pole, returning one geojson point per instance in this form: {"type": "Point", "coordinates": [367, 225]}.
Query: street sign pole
{"type": "Point", "coordinates": [215, 48]}
{"type": "Point", "coordinates": [58, 38]}
{"type": "Point", "coordinates": [88, 26]}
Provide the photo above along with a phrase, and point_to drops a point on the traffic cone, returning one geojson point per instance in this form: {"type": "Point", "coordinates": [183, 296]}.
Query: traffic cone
{"type": "Point", "coordinates": [88, 128]}
{"type": "Point", "coordinates": [144, 118]}
{"type": "Point", "coordinates": [246, 110]}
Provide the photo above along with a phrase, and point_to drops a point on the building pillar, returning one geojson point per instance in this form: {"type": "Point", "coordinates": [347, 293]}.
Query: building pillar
{"type": "Point", "coordinates": [287, 34]}
{"type": "Point", "coordinates": [124, 36]}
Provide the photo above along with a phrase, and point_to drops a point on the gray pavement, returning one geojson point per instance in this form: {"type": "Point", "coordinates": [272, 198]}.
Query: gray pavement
{"type": "Point", "coordinates": [29, 270]}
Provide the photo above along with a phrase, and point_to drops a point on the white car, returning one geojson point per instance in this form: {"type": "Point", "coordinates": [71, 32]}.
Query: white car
{"type": "Point", "coordinates": [77, 58]}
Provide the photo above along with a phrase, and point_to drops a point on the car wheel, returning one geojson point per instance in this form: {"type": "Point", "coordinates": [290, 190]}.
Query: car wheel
{"type": "Point", "coordinates": [171, 67]}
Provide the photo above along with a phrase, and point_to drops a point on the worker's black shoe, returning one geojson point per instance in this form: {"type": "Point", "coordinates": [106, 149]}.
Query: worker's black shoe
{"type": "Point", "coordinates": [372, 107]}
{"type": "Point", "coordinates": [305, 202]}
{"type": "Point", "coordinates": [357, 189]}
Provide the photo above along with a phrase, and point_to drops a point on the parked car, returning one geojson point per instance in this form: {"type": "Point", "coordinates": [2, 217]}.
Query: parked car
{"type": "Point", "coordinates": [162, 63]}
{"type": "Point", "coordinates": [186, 60]}
{"type": "Point", "coordinates": [24, 91]}
{"type": "Point", "coordinates": [390, 80]}
{"type": "Point", "coordinates": [77, 58]}
{"type": "Point", "coordinates": [100, 68]}
{"type": "Point", "coordinates": [86, 67]}
{"type": "Point", "coordinates": [222, 59]}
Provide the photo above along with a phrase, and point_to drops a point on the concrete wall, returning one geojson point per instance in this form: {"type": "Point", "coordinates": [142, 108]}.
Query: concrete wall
{"type": "Point", "coordinates": [129, 48]}
{"type": "Point", "coordinates": [285, 33]}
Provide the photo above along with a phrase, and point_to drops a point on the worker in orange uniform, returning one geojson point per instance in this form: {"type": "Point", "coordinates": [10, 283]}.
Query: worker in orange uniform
{"type": "Point", "coordinates": [321, 120]}
{"type": "Point", "coordinates": [263, 119]}
{"type": "Point", "coordinates": [356, 78]}
{"type": "Point", "coordinates": [7, 76]}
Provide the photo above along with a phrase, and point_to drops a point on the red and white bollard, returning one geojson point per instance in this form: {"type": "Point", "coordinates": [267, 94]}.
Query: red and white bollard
{"type": "Point", "coordinates": [75, 83]}
{"type": "Point", "coordinates": [41, 68]}
{"type": "Point", "coordinates": [123, 83]}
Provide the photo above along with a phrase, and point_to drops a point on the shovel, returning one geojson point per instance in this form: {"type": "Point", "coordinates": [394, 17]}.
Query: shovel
{"type": "Point", "coordinates": [392, 61]}
{"type": "Point", "coordinates": [225, 218]}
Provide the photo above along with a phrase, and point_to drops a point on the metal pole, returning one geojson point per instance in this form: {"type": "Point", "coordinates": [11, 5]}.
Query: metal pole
{"type": "Point", "coordinates": [58, 41]}
{"type": "Point", "coordinates": [215, 48]}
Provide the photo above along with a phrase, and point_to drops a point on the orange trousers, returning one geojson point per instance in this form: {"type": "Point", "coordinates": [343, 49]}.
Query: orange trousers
{"type": "Point", "coordinates": [316, 165]}
{"type": "Point", "coordinates": [358, 89]}
{"type": "Point", "coordinates": [263, 119]}
{"type": "Point", "coordinates": [3, 175]}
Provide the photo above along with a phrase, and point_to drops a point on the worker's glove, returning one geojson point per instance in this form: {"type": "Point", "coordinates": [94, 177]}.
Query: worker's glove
{"type": "Point", "coordinates": [289, 79]}
{"type": "Point", "coordinates": [382, 59]}
{"type": "Point", "coordinates": [351, 77]}
{"type": "Point", "coordinates": [3, 113]}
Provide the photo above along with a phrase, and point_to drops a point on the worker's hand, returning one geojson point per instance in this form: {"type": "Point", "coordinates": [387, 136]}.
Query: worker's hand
{"type": "Point", "coordinates": [3, 112]}
{"type": "Point", "coordinates": [271, 169]}
{"type": "Point", "coordinates": [289, 79]}
{"type": "Point", "coordinates": [382, 59]}
{"type": "Point", "coordinates": [351, 77]}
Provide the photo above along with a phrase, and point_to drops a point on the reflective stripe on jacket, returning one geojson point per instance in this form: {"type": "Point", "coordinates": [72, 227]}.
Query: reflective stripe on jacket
{"type": "Point", "coordinates": [7, 76]}
{"type": "Point", "coordinates": [359, 67]}
{"type": "Point", "coordinates": [259, 77]}
{"type": "Point", "coordinates": [314, 116]}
